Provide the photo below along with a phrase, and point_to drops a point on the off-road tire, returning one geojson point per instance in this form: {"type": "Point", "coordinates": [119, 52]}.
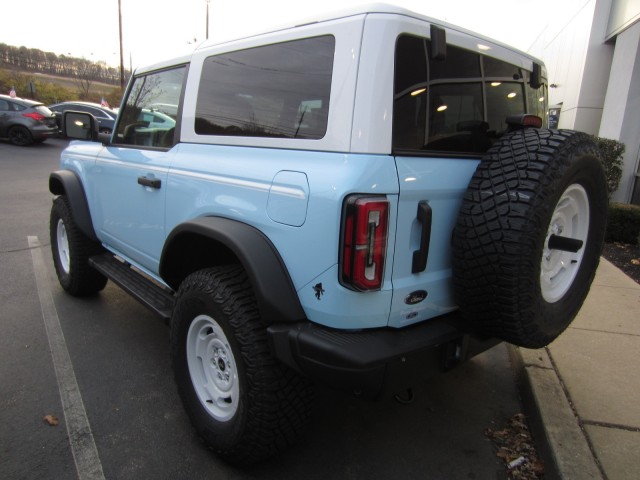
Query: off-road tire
{"type": "Point", "coordinates": [246, 405]}
{"type": "Point", "coordinates": [71, 250]}
{"type": "Point", "coordinates": [509, 282]}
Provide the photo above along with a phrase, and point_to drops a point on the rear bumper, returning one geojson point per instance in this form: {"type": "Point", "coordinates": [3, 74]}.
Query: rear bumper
{"type": "Point", "coordinates": [370, 363]}
{"type": "Point", "coordinates": [42, 131]}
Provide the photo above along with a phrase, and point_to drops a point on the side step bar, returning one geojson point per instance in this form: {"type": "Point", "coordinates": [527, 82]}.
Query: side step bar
{"type": "Point", "coordinates": [154, 297]}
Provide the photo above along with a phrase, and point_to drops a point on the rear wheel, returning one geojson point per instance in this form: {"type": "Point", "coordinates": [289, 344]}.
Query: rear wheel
{"type": "Point", "coordinates": [71, 250]}
{"type": "Point", "coordinates": [244, 403]}
{"type": "Point", "coordinates": [529, 235]}
{"type": "Point", "coordinates": [20, 136]}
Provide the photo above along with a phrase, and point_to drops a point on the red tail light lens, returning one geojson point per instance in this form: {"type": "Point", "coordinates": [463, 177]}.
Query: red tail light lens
{"type": "Point", "coordinates": [524, 121]}
{"type": "Point", "coordinates": [364, 242]}
{"type": "Point", "coordinates": [35, 116]}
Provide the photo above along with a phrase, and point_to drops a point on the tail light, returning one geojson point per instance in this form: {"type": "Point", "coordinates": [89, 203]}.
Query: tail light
{"type": "Point", "coordinates": [34, 116]}
{"type": "Point", "coordinates": [364, 242]}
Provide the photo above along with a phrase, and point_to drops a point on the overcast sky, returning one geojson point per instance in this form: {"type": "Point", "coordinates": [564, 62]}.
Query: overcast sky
{"type": "Point", "coordinates": [154, 30]}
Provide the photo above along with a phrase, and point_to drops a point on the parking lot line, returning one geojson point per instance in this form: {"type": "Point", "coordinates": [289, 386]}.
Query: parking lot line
{"type": "Point", "coordinates": [83, 447]}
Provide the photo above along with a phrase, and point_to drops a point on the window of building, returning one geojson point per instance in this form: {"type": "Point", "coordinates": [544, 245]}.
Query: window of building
{"type": "Point", "coordinates": [279, 90]}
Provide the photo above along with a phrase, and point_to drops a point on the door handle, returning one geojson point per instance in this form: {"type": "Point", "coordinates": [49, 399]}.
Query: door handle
{"type": "Point", "coordinates": [149, 182]}
{"type": "Point", "coordinates": [420, 256]}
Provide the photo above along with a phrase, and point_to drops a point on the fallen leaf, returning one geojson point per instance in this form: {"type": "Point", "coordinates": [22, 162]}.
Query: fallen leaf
{"type": "Point", "coordinates": [51, 420]}
{"type": "Point", "coordinates": [537, 467]}
{"type": "Point", "coordinates": [635, 261]}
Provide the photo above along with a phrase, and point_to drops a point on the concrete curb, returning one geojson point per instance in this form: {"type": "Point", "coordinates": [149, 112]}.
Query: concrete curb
{"type": "Point", "coordinates": [554, 424]}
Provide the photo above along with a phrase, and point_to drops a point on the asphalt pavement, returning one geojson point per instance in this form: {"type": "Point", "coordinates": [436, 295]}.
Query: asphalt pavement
{"type": "Point", "coordinates": [101, 366]}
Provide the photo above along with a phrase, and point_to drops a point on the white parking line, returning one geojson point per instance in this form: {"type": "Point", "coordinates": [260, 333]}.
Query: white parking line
{"type": "Point", "coordinates": [83, 447]}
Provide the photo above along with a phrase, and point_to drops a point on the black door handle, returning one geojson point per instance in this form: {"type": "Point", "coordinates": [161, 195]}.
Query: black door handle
{"type": "Point", "coordinates": [149, 182]}
{"type": "Point", "coordinates": [420, 256]}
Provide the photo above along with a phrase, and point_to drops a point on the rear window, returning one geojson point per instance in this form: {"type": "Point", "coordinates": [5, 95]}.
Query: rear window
{"type": "Point", "coordinates": [279, 90]}
{"type": "Point", "coordinates": [43, 110]}
{"type": "Point", "coordinates": [459, 104]}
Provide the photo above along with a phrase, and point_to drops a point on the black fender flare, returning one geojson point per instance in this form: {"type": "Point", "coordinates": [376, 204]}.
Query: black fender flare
{"type": "Point", "coordinates": [272, 285]}
{"type": "Point", "coordinates": [66, 182]}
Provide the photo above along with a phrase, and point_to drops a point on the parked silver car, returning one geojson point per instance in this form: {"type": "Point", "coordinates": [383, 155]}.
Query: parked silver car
{"type": "Point", "coordinates": [25, 122]}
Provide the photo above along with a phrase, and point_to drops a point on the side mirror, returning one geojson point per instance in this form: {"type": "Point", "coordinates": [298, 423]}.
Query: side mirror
{"type": "Point", "coordinates": [79, 126]}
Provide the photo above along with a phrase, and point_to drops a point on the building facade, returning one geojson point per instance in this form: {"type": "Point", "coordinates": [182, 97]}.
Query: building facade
{"type": "Point", "coordinates": [592, 52]}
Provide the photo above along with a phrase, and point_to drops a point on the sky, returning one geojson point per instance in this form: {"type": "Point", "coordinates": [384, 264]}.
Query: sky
{"type": "Point", "coordinates": [154, 30]}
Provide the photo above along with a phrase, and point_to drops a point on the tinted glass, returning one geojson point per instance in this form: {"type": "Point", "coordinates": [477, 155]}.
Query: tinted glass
{"type": "Point", "coordinates": [536, 100]}
{"type": "Point", "coordinates": [498, 68]}
{"type": "Point", "coordinates": [458, 64]}
{"type": "Point", "coordinates": [503, 99]}
{"type": "Point", "coordinates": [411, 64]}
{"type": "Point", "coordinates": [456, 118]}
{"type": "Point", "coordinates": [450, 105]}
{"type": "Point", "coordinates": [4, 105]}
{"type": "Point", "coordinates": [136, 125]}
{"type": "Point", "coordinates": [279, 90]}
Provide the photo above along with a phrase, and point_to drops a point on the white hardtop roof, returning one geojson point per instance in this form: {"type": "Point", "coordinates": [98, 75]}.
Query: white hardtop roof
{"type": "Point", "coordinates": [370, 8]}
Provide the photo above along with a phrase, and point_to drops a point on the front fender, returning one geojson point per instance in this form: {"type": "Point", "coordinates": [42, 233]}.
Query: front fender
{"type": "Point", "coordinates": [272, 286]}
{"type": "Point", "coordinates": [66, 182]}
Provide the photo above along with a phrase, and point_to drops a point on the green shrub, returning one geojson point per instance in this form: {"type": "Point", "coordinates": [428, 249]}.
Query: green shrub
{"type": "Point", "coordinates": [612, 152]}
{"type": "Point", "coordinates": [624, 224]}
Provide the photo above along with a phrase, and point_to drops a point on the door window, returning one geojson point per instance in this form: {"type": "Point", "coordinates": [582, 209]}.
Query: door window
{"type": "Point", "coordinates": [136, 125]}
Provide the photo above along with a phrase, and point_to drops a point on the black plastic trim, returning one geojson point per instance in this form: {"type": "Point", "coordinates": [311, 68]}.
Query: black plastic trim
{"type": "Point", "coordinates": [371, 362]}
{"type": "Point", "coordinates": [66, 182]}
{"type": "Point", "coordinates": [151, 295]}
{"type": "Point", "coordinates": [272, 286]}
{"type": "Point", "coordinates": [420, 256]}
{"type": "Point", "coordinates": [438, 43]}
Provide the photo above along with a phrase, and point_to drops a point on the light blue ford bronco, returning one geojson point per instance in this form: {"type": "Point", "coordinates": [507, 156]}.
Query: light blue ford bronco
{"type": "Point", "coordinates": [362, 200]}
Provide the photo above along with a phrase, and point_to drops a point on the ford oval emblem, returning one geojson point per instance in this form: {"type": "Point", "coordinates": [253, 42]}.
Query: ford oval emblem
{"type": "Point", "coordinates": [415, 297]}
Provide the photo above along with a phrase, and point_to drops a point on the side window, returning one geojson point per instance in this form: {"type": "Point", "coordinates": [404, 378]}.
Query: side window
{"type": "Point", "coordinates": [96, 112]}
{"type": "Point", "coordinates": [459, 104]}
{"type": "Point", "coordinates": [503, 99]}
{"type": "Point", "coordinates": [136, 124]}
{"type": "Point", "coordinates": [279, 90]}
{"type": "Point", "coordinates": [4, 106]}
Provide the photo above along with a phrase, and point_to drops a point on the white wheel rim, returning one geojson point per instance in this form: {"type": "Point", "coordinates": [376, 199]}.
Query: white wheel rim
{"type": "Point", "coordinates": [570, 219]}
{"type": "Point", "coordinates": [63, 246]}
{"type": "Point", "coordinates": [212, 368]}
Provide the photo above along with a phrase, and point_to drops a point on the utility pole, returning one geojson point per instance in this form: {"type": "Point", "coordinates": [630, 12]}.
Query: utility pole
{"type": "Point", "coordinates": [121, 56]}
{"type": "Point", "coordinates": [206, 33]}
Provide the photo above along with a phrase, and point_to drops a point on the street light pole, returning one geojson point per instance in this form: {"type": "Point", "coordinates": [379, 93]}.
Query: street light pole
{"type": "Point", "coordinates": [121, 56]}
{"type": "Point", "coordinates": [206, 33]}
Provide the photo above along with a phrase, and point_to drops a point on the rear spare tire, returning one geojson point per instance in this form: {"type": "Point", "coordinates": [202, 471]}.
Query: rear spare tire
{"type": "Point", "coordinates": [529, 235]}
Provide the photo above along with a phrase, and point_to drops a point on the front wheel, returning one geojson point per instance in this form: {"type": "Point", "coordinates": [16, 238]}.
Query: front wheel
{"type": "Point", "coordinates": [71, 250]}
{"type": "Point", "coordinates": [245, 404]}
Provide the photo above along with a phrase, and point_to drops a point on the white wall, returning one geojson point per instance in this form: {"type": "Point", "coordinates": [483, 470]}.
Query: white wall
{"type": "Point", "coordinates": [592, 52]}
{"type": "Point", "coordinates": [621, 116]}
{"type": "Point", "coordinates": [578, 61]}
